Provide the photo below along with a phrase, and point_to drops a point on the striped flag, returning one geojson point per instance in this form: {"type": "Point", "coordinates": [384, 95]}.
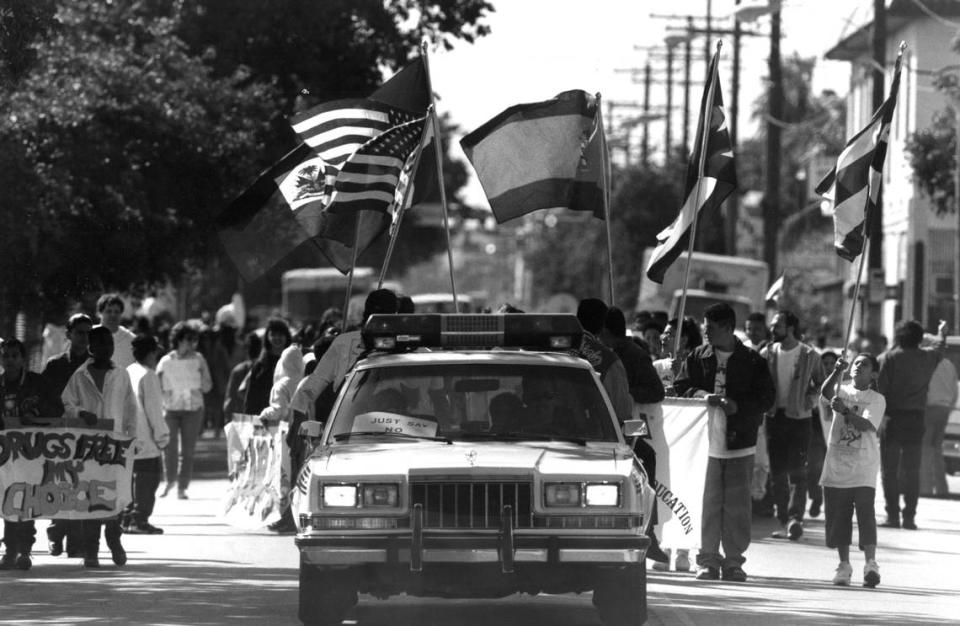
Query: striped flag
{"type": "Point", "coordinates": [775, 292]}
{"type": "Point", "coordinates": [370, 178]}
{"type": "Point", "coordinates": [335, 130]}
{"type": "Point", "coordinates": [706, 193]}
{"type": "Point", "coordinates": [541, 155]}
{"type": "Point", "coordinates": [853, 185]}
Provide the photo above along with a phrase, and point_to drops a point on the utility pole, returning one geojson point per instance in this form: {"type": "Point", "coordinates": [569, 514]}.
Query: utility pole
{"type": "Point", "coordinates": [687, 50]}
{"type": "Point", "coordinates": [874, 301]}
{"type": "Point", "coordinates": [645, 141]}
{"type": "Point", "coordinates": [733, 200]}
{"type": "Point", "coordinates": [771, 195]}
{"type": "Point", "coordinates": [667, 133]}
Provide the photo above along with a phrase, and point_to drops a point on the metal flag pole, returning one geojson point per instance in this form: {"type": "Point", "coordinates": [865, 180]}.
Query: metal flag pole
{"type": "Point", "coordinates": [701, 166]}
{"type": "Point", "coordinates": [605, 187]}
{"type": "Point", "coordinates": [353, 266]}
{"type": "Point", "coordinates": [406, 198]}
{"type": "Point", "coordinates": [439, 153]}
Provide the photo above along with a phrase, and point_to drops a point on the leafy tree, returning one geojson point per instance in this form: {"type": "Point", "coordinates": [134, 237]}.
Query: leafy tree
{"type": "Point", "coordinates": [571, 256]}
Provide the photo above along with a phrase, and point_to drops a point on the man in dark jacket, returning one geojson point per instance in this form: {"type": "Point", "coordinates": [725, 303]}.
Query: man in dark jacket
{"type": "Point", "coordinates": [20, 391]}
{"type": "Point", "coordinates": [737, 380]}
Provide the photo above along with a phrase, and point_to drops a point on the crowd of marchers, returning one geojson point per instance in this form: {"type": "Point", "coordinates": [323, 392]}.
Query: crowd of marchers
{"type": "Point", "coordinates": [794, 424]}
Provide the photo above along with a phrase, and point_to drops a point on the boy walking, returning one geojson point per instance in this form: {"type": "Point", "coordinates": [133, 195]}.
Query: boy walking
{"type": "Point", "coordinates": [153, 435]}
{"type": "Point", "coordinates": [851, 465]}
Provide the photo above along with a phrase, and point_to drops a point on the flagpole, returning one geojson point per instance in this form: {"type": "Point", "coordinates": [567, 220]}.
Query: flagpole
{"type": "Point", "coordinates": [856, 284]}
{"type": "Point", "coordinates": [701, 166]}
{"type": "Point", "coordinates": [604, 184]}
{"type": "Point", "coordinates": [353, 266]}
{"type": "Point", "coordinates": [438, 150]}
{"type": "Point", "coordinates": [395, 228]}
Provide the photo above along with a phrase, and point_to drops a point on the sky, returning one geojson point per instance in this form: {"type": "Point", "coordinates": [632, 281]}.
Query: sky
{"type": "Point", "coordinates": [539, 48]}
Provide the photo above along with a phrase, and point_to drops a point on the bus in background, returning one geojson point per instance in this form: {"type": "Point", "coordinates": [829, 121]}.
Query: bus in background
{"type": "Point", "coordinates": [442, 303]}
{"type": "Point", "coordinates": [307, 292]}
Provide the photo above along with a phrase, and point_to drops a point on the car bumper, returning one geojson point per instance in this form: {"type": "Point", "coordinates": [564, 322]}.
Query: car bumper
{"type": "Point", "coordinates": [345, 550]}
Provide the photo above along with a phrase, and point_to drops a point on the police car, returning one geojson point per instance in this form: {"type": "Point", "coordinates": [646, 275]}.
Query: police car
{"type": "Point", "coordinates": [472, 456]}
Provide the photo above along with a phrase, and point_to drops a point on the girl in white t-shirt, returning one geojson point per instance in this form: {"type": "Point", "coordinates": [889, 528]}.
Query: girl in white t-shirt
{"type": "Point", "coordinates": [852, 463]}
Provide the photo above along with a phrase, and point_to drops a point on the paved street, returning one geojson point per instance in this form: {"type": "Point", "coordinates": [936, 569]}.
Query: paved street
{"type": "Point", "coordinates": [206, 573]}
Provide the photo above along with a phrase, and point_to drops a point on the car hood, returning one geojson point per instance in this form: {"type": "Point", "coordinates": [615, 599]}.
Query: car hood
{"type": "Point", "coordinates": [465, 458]}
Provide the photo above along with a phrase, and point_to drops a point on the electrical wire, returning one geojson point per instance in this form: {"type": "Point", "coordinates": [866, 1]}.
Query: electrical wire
{"type": "Point", "coordinates": [920, 5]}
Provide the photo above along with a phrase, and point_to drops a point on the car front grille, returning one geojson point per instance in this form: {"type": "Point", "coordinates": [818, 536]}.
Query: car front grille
{"type": "Point", "coordinates": [472, 505]}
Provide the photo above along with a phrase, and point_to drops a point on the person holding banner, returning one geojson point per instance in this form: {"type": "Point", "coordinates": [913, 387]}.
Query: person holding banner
{"type": "Point", "coordinates": [99, 390]}
{"type": "Point", "coordinates": [21, 391]}
{"type": "Point", "coordinates": [736, 379]}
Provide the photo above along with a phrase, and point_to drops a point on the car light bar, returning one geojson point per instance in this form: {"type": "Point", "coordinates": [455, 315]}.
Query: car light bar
{"type": "Point", "coordinates": [398, 333]}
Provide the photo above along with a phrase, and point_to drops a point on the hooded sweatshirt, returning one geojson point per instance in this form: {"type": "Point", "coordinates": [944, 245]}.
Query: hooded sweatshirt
{"type": "Point", "coordinates": [286, 376]}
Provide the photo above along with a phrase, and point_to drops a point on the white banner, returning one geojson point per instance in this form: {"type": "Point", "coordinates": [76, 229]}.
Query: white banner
{"type": "Point", "coordinates": [68, 473]}
{"type": "Point", "coordinates": [680, 441]}
{"type": "Point", "coordinates": [258, 465]}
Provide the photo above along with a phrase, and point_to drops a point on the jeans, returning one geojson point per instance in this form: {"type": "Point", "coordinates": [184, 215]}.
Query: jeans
{"type": "Point", "coordinates": [787, 443]}
{"type": "Point", "coordinates": [816, 452]}
{"type": "Point", "coordinates": [900, 462]}
{"type": "Point", "coordinates": [146, 479]}
{"type": "Point", "coordinates": [726, 512]}
{"type": "Point", "coordinates": [933, 473]}
{"type": "Point", "coordinates": [69, 528]}
{"type": "Point", "coordinates": [19, 536]}
{"type": "Point", "coordinates": [90, 528]}
{"type": "Point", "coordinates": [185, 428]}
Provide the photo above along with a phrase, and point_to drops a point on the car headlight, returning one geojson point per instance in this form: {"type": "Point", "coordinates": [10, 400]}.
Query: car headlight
{"type": "Point", "coordinates": [602, 495]}
{"type": "Point", "coordinates": [561, 494]}
{"type": "Point", "coordinates": [339, 495]}
{"type": "Point", "coordinates": [381, 495]}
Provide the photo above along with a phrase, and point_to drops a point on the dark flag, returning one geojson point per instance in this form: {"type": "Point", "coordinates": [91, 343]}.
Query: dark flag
{"type": "Point", "coordinates": [701, 194]}
{"type": "Point", "coordinates": [259, 228]}
{"type": "Point", "coordinates": [854, 183]}
{"type": "Point", "coordinates": [541, 155]}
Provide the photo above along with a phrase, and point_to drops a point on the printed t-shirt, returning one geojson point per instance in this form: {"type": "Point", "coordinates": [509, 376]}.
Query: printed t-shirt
{"type": "Point", "coordinates": [717, 430]}
{"type": "Point", "coordinates": [853, 456]}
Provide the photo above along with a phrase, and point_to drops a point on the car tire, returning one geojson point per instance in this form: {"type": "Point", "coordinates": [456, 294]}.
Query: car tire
{"type": "Point", "coordinates": [324, 597]}
{"type": "Point", "coordinates": [621, 597]}
{"type": "Point", "coordinates": [952, 466]}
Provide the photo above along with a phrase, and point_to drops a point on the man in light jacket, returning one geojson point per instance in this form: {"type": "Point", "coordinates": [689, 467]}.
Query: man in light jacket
{"type": "Point", "coordinates": [153, 435]}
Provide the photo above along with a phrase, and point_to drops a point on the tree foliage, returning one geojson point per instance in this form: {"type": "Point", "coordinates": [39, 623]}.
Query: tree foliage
{"type": "Point", "coordinates": [127, 125]}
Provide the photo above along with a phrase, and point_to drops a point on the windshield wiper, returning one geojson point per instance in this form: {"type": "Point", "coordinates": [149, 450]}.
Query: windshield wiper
{"type": "Point", "coordinates": [524, 437]}
{"type": "Point", "coordinates": [380, 433]}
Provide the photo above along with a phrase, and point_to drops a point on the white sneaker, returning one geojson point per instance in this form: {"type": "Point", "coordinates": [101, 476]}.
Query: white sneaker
{"type": "Point", "coordinates": [871, 574]}
{"type": "Point", "coordinates": [844, 572]}
{"type": "Point", "coordinates": [663, 567]}
{"type": "Point", "coordinates": [683, 561]}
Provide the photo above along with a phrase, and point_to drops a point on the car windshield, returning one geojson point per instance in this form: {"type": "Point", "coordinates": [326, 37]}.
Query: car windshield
{"type": "Point", "coordinates": [475, 401]}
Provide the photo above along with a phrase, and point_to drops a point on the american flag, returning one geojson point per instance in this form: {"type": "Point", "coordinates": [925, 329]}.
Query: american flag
{"type": "Point", "coordinates": [335, 130]}
{"type": "Point", "coordinates": [853, 185]}
{"type": "Point", "coordinates": [375, 177]}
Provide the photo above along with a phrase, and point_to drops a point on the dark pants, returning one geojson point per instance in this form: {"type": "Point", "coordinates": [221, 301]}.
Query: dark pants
{"type": "Point", "coordinates": [146, 478]}
{"type": "Point", "coordinates": [18, 537]}
{"type": "Point", "coordinates": [787, 443]}
{"type": "Point", "coordinates": [185, 427]}
{"type": "Point", "coordinates": [648, 457]}
{"type": "Point", "coordinates": [839, 505]}
{"type": "Point", "coordinates": [90, 528]}
{"type": "Point", "coordinates": [900, 462]}
{"type": "Point", "coordinates": [69, 529]}
{"type": "Point", "coordinates": [816, 451]}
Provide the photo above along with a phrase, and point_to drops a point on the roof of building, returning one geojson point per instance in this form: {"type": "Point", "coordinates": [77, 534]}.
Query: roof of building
{"type": "Point", "coordinates": [899, 13]}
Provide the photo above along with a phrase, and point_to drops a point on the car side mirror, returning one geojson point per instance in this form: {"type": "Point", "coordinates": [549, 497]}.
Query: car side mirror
{"type": "Point", "coordinates": [311, 429]}
{"type": "Point", "coordinates": [635, 428]}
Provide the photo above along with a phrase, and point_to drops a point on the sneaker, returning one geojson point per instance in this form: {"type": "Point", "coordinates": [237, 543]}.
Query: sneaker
{"type": "Point", "coordinates": [9, 560]}
{"type": "Point", "coordinates": [661, 566]}
{"type": "Point", "coordinates": [708, 573]}
{"type": "Point", "coordinates": [182, 494]}
{"type": "Point", "coordinates": [166, 490]}
{"type": "Point", "coordinates": [683, 561]}
{"type": "Point", "coordinates": [654, 553]}
{"type": "Point", "coordinates": [814, 509]}
{"type": "Point", "coordinates": [783, 533]}
{"type": "Point", "coordinates": [24, 561]}
{"type": "Point", "coordinates": [149, 529]}
{"type": "Point", "coordinates": [844, 572]}
{"type": "Point", "coordinates": [795, 529]}
{"type": "Point", "coordinates": [871, 574]}
{"type": "Point", "coordinates": [91, 561]}
{"type": "Point", "coordinates": [909, 524]}
{"type": "Point", "coordinates": [735, 574]}
{"type": "Point", "coordinates": [55, 548]}
{"type": "Point", "coordinates": [891, 522]}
